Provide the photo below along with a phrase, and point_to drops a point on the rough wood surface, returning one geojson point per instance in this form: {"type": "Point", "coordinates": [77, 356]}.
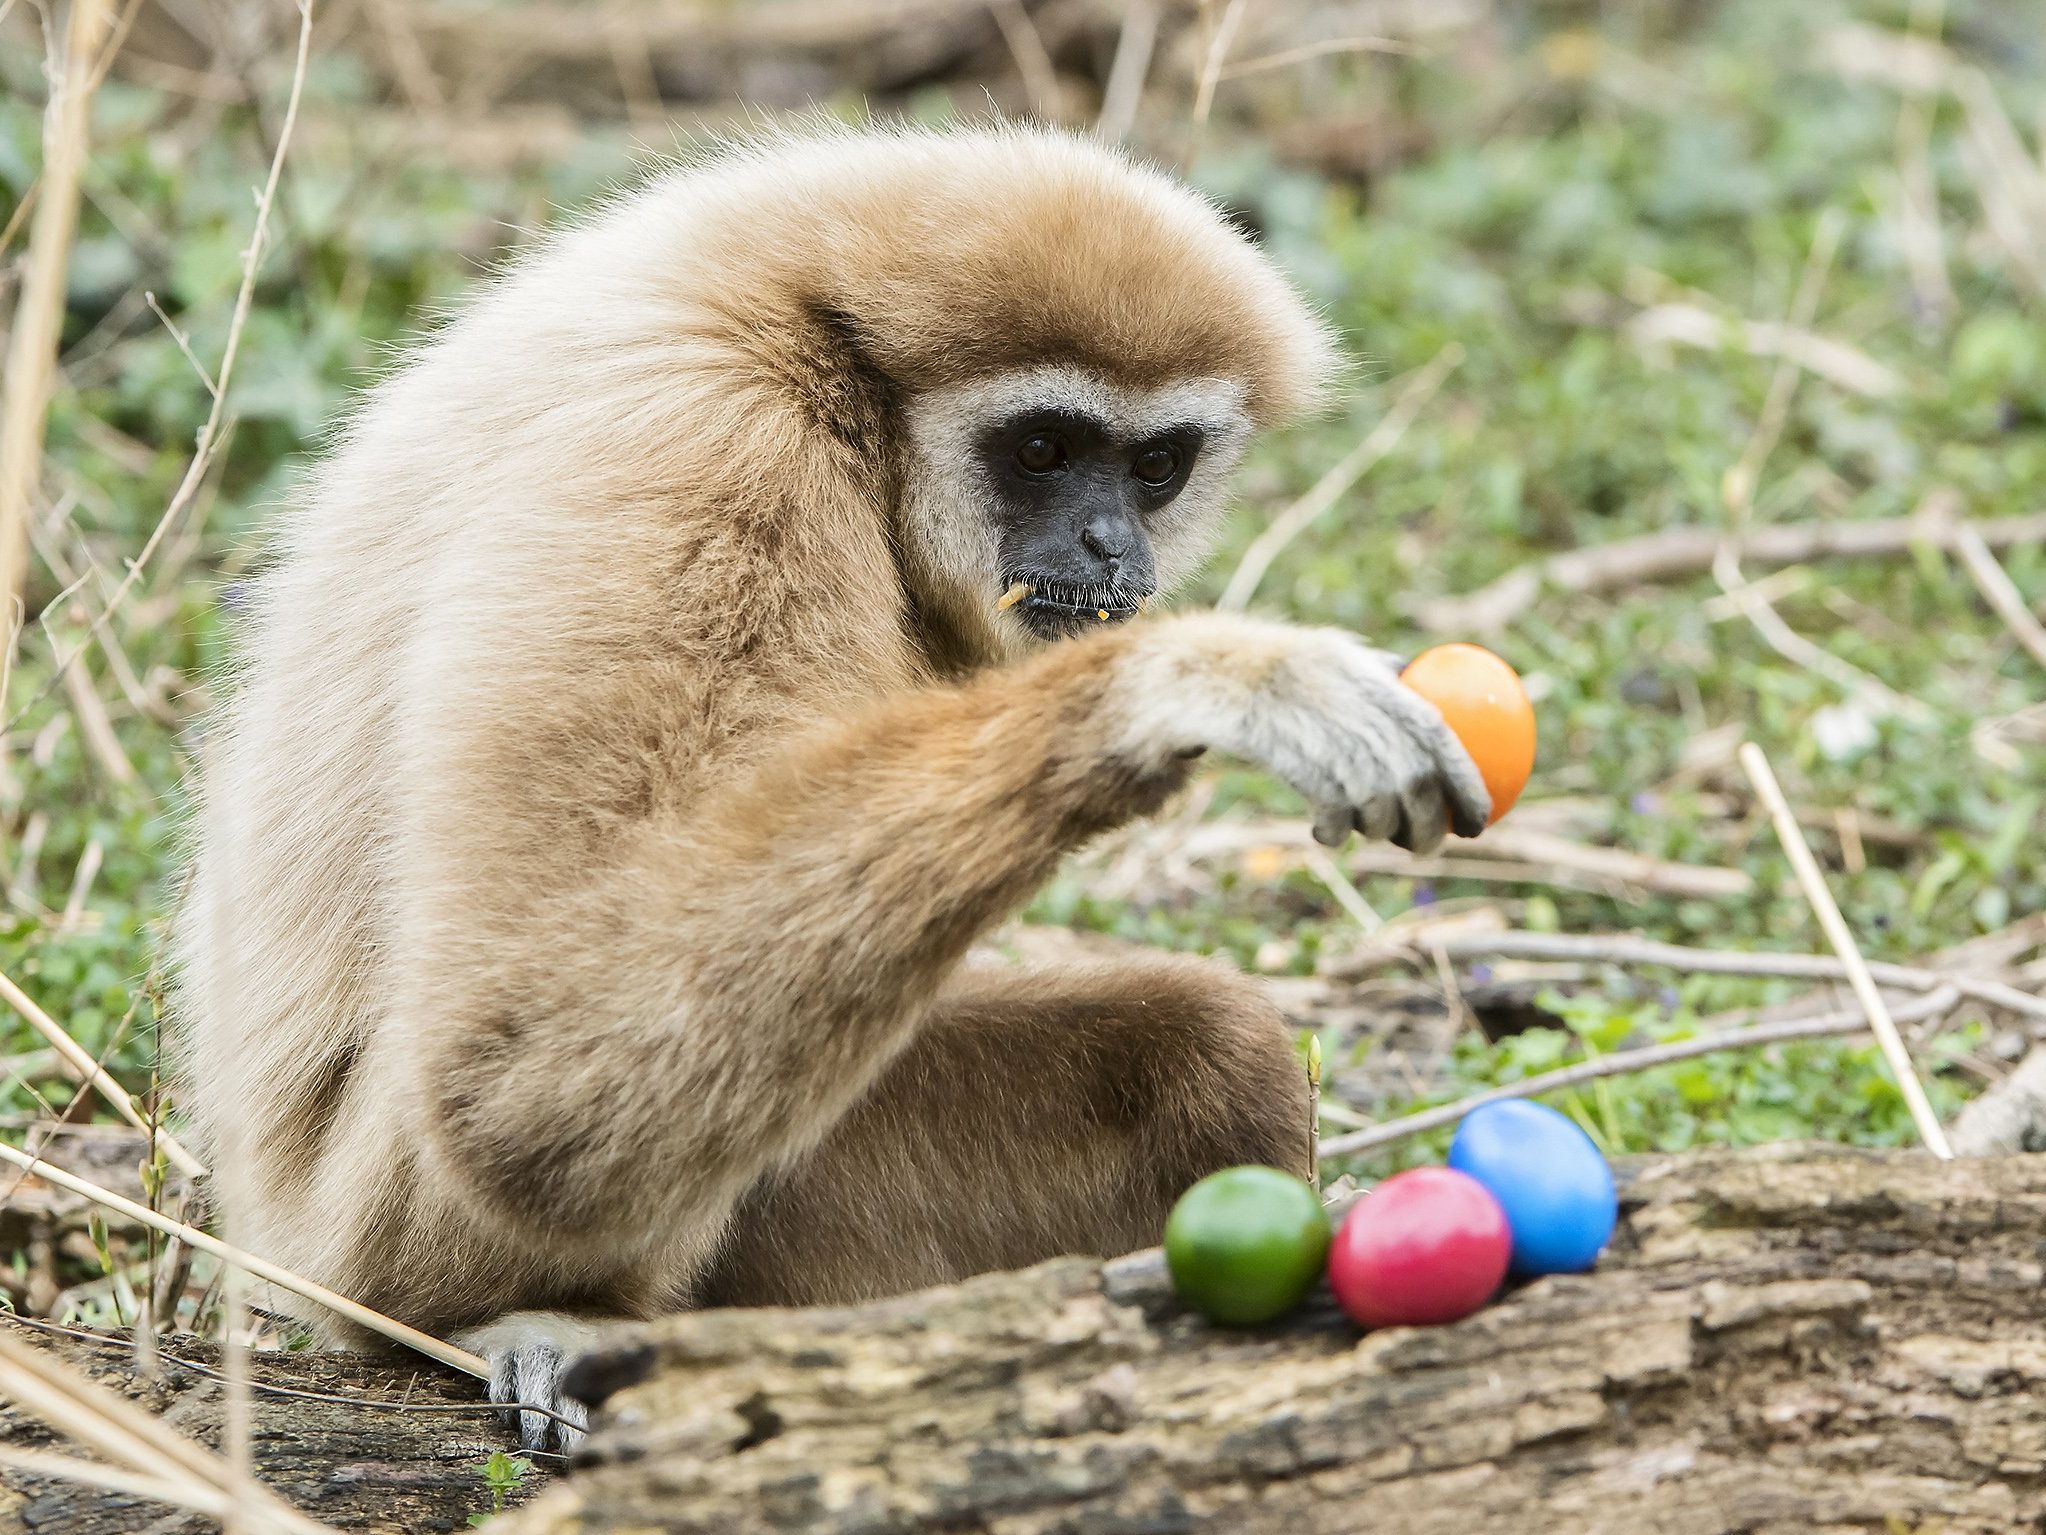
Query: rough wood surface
{"type": "Point", "coordinates": [410, 1468]}
{"type": "Point", "coordinates": [1799, 1340]}
{"type": "Point", "coordinates": [1796, 1341]}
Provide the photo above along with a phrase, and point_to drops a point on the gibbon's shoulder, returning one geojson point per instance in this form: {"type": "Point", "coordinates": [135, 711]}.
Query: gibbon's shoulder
{"type": "Point", "coordinates": [949, 254]}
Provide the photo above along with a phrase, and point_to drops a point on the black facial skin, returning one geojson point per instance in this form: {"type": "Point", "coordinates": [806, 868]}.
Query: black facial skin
{"type": "Point", "coordinates": [1072, 503]}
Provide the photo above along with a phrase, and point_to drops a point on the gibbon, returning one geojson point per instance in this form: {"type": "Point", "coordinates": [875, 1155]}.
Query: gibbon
{"type": "Point", "coordinates": [672, 671]}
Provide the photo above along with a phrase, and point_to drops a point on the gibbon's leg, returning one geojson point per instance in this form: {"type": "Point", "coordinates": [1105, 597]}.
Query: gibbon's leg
{"type": "Point", "coordinates": [605, 1070]}
{"type": "Point", "coordinates": [620, 1060]}
{"type": "Point", "coordinates": [1036, 1114]}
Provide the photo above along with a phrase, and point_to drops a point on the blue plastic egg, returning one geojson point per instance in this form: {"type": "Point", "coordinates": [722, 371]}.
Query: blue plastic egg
{"type": "Point", "coordinates": [1548, 1176]}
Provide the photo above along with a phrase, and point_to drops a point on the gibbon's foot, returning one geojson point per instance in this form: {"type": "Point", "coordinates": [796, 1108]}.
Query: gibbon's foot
{"type": "Point", "coordinates": [529, 1352]}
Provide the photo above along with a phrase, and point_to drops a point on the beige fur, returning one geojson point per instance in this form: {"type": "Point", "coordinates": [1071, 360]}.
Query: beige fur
{"type": "Point", "coordinates": [628, 749]}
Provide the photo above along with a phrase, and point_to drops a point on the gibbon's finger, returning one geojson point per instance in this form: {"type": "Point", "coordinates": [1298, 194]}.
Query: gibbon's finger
{"type": "Point", "coordinates": [1458, 783]}
{"type": "Point", "coordinates": [1378, 817]}
{"type": "Point", "coordinates": [1424, 817]}
{"type": "Point", "coordinates": [1332, 825]}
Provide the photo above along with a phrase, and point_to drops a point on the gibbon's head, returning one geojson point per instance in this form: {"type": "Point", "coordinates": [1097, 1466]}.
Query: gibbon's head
{"type": "Point", "coordinates": [1092, 345]}
{"type": "Point", "coordinates": [1071, 350]}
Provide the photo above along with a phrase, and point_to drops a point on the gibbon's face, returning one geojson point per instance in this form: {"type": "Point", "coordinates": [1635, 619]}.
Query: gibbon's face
{"type": "Point", "coordinates": [1089, 497]}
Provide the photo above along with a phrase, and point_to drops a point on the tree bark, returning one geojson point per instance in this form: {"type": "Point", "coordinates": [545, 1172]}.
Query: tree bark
{"type": "Point", "coordinates": [1802, 1340]}
{"type": "Point", "coordinates": [1795, 1340]}
{"type": "Point", "coordinates": [406, 1468]}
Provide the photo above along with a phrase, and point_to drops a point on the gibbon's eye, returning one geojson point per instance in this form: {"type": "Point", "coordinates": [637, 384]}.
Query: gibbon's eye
{"type": "Point", "coordinates": [1041, 454]}
{"type": "Point", "coordinates": [1157, 464]}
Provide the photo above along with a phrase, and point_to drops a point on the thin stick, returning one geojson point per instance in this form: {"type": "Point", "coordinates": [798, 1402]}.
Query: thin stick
{"type": "Point", "coordinates": [194, 1495]}
{"type": "Point", "coordinates": [88, 1070]}
{"type": "Point", "coordinates": [1218, 54]}
{"type": "Point", "coordinates": [209, 430]}
{"type": "Point", "coordinates": [1806, 867]}
{"type": "Point", "coordinates": [1027, 52]}
{"type": "Point", "coordinates": [39, 312]}
{"type": "Point", "coordinates": [1321, 50]}
{"type": "Point", "coordinates": [1626, 1062]}
{"type": "Point", "coordinates": [117, 1428]}
{"type": "Point", "coordinates": [1419, 389]}
{"type": "Point", "coordinates": [1337, 883]}
{"type": "Point", "coordinates": [1737, 487]}
{"type": "Point", "coordinates": [1875, 695]}
{"type": "Point", "coordinates": [262, 1268]}
{"type": "Point", "coordinates": [96, 727]}
{"type": "Point", "coordinates": [1675, 554]}
{"type": "Point", "coordinates": [1125, 88]}
{"type": "Point", "coordinates": [1998, 590]}
{"type": "Point", "coordinates": [1625, 949]}
{"type": "Point", "coordinates": [81, 882]}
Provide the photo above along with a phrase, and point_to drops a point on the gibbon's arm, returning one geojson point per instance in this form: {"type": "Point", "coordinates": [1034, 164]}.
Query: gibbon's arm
{"type": "Point", "coordinates": [736, 984]}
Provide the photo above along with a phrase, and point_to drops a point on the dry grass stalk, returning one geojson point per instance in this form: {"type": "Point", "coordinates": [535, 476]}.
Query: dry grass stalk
{"type": "Point", "coordinates": [1998, 590]}
{"type": "Point", "coordinates": [1737, 490]}
{"type": "Point", "coordinates": [1626, 949]}
{"type": "Point", "coordinates": [1504, 852]}
{"type": "Point", "coordinates": [1626, 1062]}
{"type": "Point", "coordinates": [85, 1068]}
{"type": "Point", "coordinates": [1415, 393]}
{"type": "Point", "coordinates": [1675, 554]}
{"type": "Point", "coordinates": [116, 1428]}
{"type": "Point", "coordinates": [209, 430]}
{"type": "Point", "coordinates": [1033, 62]}
{"type": "Point", "coordinates": [39, 312]}
{"type": "Point", "coordinates": [262, 1268]}
{"type": "Point", "coordinates": [1820, 898]}
{"type": "Point", "coordinates": [1216, 55]}
{"type": "Point", "coordinates": [194, 1495]}
{"type": "Point", "coordinates": [1307, 52]}
{"type": "Point", "coordinates": [1918, 223]}
{"type": "Point", "coordinates": [1835, 361]}
{"type": "Point", "coordinates": [1127, 72]}
{"type": "Point", "coordinates": [95, 727]}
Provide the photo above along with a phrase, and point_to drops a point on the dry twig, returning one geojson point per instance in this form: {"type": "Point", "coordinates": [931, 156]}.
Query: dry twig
{"type": "Point", "coordinates": [1998, 590]}
{"type": "Point", "coordinates": [117, 1428]}
{"type": "Point", "coordinates": [1627, 1062]}
{"type": "Point", "coordinates": [1418, 389]}
{"type": "Point", "coordinates": [262, 1268]}
{"type": "Point", "coordinates": [1127, 72]}
{"type": "Point", "coordinates": [1827, 911]}
{"type": "Point", "coordinates": [39, 312]}
{"type": "Point", "coordinates": [1626, 949]}
{"type": "Point", "coordinates": [209, 430]}
{"type": "Point", "coordinates": [86, 1069]}
{"type": "Point", "coordinates": [1674, 554]}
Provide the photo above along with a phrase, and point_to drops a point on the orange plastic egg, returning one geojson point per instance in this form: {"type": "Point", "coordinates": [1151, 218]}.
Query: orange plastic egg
{"type": "Point", "coordinates": [1481, 698]}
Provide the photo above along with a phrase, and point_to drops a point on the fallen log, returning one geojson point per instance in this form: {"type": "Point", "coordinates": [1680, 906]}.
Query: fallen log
{"type": "Point", "coordinates": [361, 1441]}
{"type": "Point", "coordinates": [1797, 1340]}
{"type": "Point", "coordinates": [1793, 1340]}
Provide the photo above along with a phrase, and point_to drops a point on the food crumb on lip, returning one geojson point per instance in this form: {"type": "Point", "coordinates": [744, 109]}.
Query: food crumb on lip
{"type": "Point", "coordinates": [1013, 595]}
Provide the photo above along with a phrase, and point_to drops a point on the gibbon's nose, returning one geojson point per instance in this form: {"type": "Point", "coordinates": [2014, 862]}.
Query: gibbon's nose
{"type": "Point", "coordinates": [1108, 539]}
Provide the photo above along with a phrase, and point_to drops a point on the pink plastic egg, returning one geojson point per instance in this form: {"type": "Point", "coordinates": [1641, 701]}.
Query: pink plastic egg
{"type": "Point", "coordinates": [1427, 1246]}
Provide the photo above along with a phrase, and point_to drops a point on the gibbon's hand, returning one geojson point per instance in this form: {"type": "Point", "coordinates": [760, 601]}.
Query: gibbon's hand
{"type": "Point", "coordinates": [1325, 712]}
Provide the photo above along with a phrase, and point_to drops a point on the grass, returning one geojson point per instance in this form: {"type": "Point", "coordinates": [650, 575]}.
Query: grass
{"type": "Point", "coordinates": [1545, 202]}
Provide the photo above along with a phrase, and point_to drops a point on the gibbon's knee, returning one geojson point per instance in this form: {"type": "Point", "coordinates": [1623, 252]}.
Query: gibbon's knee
{"type": "Point", "coordinates": [1036, 1114]}
{"type": "Point", "coordinates": [1199, 1064]}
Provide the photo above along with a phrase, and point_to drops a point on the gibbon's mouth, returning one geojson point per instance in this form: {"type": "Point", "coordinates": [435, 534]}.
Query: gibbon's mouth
{"type": "Point", "coordinates": [1052, 608]}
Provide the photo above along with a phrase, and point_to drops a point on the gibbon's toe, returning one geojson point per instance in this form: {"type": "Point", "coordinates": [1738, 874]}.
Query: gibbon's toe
{"type": "Point", "coordinates": [529, 1354]}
